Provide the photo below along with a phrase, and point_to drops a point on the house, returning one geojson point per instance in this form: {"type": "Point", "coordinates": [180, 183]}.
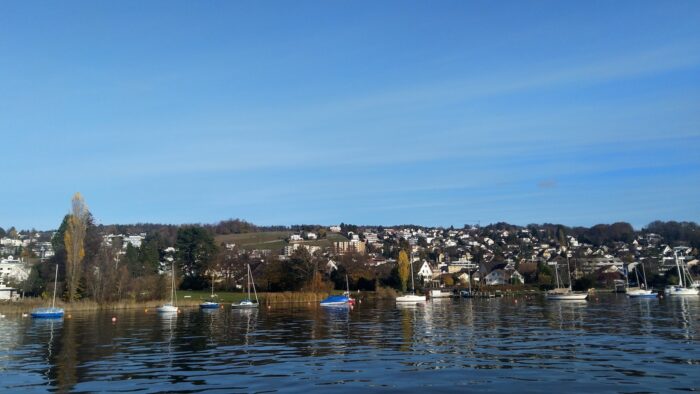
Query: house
{"type": "Point", "coordinates": [13, 269]}
{"type": "Point", "coordinates": [331, 266]}
{"type": "Point", "coordinates": [8, 293]}
{"type": "Point", "coordinates": [295, 238]}
{"type": "Point", "coordinates": [425, 272]}
{"type": "Point", "coordinates": [349, 246]}
{"type": "Point", "coordinates": [496, 277]}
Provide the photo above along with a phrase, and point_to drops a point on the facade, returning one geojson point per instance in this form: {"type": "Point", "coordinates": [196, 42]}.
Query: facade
{"type": "Point", "coordinates": [13, 269]}
{"type": "Point", "coordinates": [349, 246]}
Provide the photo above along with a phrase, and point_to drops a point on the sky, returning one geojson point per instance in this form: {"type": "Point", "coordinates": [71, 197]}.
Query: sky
{"type": "Point", "coordinates": [365, 112]}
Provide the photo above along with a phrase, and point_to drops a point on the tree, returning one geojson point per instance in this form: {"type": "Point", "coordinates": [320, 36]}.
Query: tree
{"type": "Point", "coordinates": [196, 251]}
{"type": "Point", "coordinates": [74, 241]}
{"type": "Point", "coordinates": [403, 269]}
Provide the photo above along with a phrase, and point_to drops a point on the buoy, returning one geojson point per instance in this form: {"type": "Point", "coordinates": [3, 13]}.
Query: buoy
{"type": "Point", "coordinates": [114, 318]}
{"type": "Point", "coordinates": [24, 315]}
{"type": "Point", "coordinates": [69, 316]}
{"type": "Point", "coordinates": [146, 310]}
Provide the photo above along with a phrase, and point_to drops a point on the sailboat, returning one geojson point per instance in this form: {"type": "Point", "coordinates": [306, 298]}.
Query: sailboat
{"type": "Point", "coordinates": [641, 293]}
{"type": "Point", "coordinates": [468, 293]}
{"type": "Point", "coordinates": [565, 293]}
{"type": "Point", "coordinates": [339, 300]}
{"type": "Point", "coordinates": [413, 298]}
{"type": "Point", "coordinates": [685, 284]}
{"type": "Point", "coordinates": [248, 303]}
{"type": "Point", "coordinates": [170, 307]}
{"type": "Point", "coordinates": [210, 303]}
{"type": "Point", "coordinates": [51, 312]}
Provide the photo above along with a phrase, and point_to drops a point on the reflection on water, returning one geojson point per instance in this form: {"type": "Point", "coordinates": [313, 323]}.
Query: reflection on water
{"type": "Point", "coordinates": [610, 343]}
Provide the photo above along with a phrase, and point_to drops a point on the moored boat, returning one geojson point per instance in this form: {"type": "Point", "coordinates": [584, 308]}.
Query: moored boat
{"type": "Point", "coordinates": [565, 293]}
{"type": "Point", "coordinates": [170, 307]}
{"type": "Point", "coordinates": [210, 303]}
{"type": "Point", "coordinates": [685, 282]}
{"type": "Point", "coordinates": [413, 297]}
{"type": "Point", "coordinates": [339, 300]}
{"type": "Point", "coordinates": [52, 312]}
{"type": "Point", "coordinates": [248, 302]}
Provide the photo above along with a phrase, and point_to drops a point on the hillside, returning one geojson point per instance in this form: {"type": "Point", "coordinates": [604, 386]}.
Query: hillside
{"type": "Point", "coordinates": [274, 240]}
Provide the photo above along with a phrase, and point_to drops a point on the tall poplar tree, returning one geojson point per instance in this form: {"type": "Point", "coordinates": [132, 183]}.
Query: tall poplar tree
{"type": "Point", "coordinates": [403, 269]}
{"type": "Point", "coordinates": [74, 241]}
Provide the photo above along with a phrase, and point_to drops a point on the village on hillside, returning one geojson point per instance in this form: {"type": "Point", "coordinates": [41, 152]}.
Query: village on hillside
{"type": "Point", "coordinates": [493, 255]}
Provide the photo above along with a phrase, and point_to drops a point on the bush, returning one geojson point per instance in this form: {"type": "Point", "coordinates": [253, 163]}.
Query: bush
{"type": "Point", "coordinates": [583, 284]}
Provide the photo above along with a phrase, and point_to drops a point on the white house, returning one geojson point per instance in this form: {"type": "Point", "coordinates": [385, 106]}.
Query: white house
{"type": "Point", "coordinates": [425, 272]}
{"type": "Point", "coordinates": [331, 266]}
{"type": "Point", "coordinates": [295, 238]}
{"type": "Point", "coordinates": [496, 277]}
{"type": "Point", "coordinates": [7, 293]}
{"type": "Point", "coordinates": [13, 269]}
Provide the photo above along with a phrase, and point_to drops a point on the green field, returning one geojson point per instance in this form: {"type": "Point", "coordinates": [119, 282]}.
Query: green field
{"type": "Point", "coordinates": [273, 240]}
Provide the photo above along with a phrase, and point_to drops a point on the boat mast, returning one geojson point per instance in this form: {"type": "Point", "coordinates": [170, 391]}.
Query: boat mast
{"type": "Point", "coordinates": [568, 270]}
{"type": "Point", "coordinates": [680, 273]}
{"type": "Point", "coordinates": [53, 303]}
{"type": "Point", "coordinates": [556, 269]}
{"type": "Point", "coordinates": [470, 281]}
{"type": "Point", "coordinates": [250, 276]}
{"type": "Point", "coordinates": [413, 285]}
{"type": "Point", "coordinates": [645, 276]}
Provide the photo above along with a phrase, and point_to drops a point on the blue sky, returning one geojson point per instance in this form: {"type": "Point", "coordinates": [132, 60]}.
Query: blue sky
{"type": "Point", "coordinates": [433, 113]}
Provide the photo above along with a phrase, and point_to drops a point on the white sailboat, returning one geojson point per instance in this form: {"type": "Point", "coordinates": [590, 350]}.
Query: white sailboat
{"type": "Point", "coordinates": [564, 293]}
{"type": "Point", "coordinates": [413, 297]}
{"type": "Point", "coordinates": [639, 292]}
{"type": "Point", "coordinates": [51, 312]}
{"type": "Point", "coordinates": [170, 307]}
{"type": "Point", "coordinates": [685, 283]}
{"type": "Point", "coordinates": [248, 302]}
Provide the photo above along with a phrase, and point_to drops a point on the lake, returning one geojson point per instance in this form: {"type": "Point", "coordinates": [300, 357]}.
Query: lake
{"type": "Point", "coordinates": [528, 344]}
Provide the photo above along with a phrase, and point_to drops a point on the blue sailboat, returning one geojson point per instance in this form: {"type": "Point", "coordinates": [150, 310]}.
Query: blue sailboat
{"type": "Point", "coordinates": [51, 312]}
{"type": "Point", "coordinates": [339, 300]}
{"type": "Point", "coordinates": [210, 303]}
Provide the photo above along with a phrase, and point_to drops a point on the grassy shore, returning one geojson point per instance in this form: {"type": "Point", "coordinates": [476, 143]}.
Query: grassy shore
{"type": "Point", "coordinates": [186, 298]}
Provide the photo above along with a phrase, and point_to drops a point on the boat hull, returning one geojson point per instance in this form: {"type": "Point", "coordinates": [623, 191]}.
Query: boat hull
{"type": "Point", "coordinates": [167, 309]}
{"type": "Point", "coordinates": [245, 305]}
{"type": "Point", "coordinates": [209, 305]}
{"type": "Point", "coordinates": [567, 296]}
{"type": "Point", "coordinates": [47, 313]}
{"type": "Point", "coordinates": [640, 293]}
{"type": "Point", "coordinates": [682, 291]}
{"type": "Point", "coordinates": [410, 298]}
{"type": "Point", "coordinates": [336, 300]}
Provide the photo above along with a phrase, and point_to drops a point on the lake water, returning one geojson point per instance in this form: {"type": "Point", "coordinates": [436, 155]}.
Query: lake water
{"type": "Point", "coordinates": [608, 344]}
